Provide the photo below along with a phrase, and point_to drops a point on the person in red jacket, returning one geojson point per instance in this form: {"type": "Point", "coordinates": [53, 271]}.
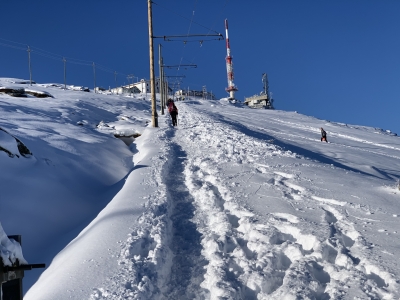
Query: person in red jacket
{"type": "Point", "coordinates": [323, 135]}
{"type": "Point", "coordinates": [173, 111]}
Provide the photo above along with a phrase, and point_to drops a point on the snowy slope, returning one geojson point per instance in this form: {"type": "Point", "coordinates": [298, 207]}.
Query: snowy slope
{"type": "Point", "coordinates": [234, 203]}
{"type": "Point", "coordinates": [75, 170]}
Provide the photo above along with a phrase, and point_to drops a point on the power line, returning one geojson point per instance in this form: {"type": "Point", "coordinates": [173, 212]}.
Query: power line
{"type": "Point", "coordinates": [190, 25]}
{"type": "Point", "coordinates": [216, 19]}
{"type": "Point", "coordinates": [187, 18]}
{"type": "Point", "coordinates": [80, 60]}
{"type": "Point", "coordinates": [11, 46]}
{"type": "Point", "coordinates": [46, 55]}
{"type": "Point", "coordinates": [45, 52]}
{"type": "Point", "coordinates": [208, 36]}
{"type": "Point", "coordinates": [191, 20]}
{"type": "Point", "coordinates": [53, 56]}
{"type": "Point", "coordinates": [78, 63]}
{"type": "Point", "coordinates": [12, 42]}
{"type": "Point", "coordinates": [223, 8]}
{"type": "Point", "coordinates": [194, 41]}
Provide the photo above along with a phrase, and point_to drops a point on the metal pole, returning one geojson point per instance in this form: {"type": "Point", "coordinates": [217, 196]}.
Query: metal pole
{"type": "Point", "coordinates": [130, 84]}
{"type": "Point", "coordinates": [127, 78]}
{"type": "Point", "coordinates": [159, 76]}
{"type": "Point", "coordinates": [94, 74]}
{"type": "Point", "coordinates": [164, 85]}
{"type": "Point", "coordinates": [65, 73]}
{"type": "Point", "coordinates": [30, 68]}
{"type": "Point", "coordinates": [154, 116]}
{"type": "Point", "coordinates": [167, 89]}
{"type": "Point", "coordinates": [115, 77]}
{"type": "Point", "coordinates": [160, 87]}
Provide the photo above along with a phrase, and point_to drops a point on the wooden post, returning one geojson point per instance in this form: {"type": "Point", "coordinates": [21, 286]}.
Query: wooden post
{"type": "Point", "coordinates": [154, 116]}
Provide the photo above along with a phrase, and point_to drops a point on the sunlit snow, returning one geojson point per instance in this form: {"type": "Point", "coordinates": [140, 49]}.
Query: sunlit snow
{"type": "Point", "coordinates": [233, 203]}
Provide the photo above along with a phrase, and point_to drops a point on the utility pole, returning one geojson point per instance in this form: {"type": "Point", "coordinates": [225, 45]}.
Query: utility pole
{"type": "Point", "coordinates": [154, 116]}
{"type": "Point", "coordinates": [164, 96]}
{"type": "Point", "coordinates": [160, 85]}
{"type": "Point", "coordinates": [94, 74]}
{"type": "Point", "coordinates": [132, 77]}
{"type": "Point", "coordinates": [143, 82]}
{"type": "Point", "coordinates": [65, 73]}
{"type": "Point", "coordinates": [115, 77]}
{"type": "Point", "coordinates": [165, 86]}
{"type": "Point", "coordinates": [30, 68]}
{"type": "Point", "coordinates": [167, 89]}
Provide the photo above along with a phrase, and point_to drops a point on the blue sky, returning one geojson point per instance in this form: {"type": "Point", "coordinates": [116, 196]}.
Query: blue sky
{"type": "Point", "coordinates": [335, 60]}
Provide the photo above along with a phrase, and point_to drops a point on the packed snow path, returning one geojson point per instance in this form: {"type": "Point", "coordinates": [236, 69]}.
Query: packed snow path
{"type": "Point", "coordinates": [200, 239]}
{"type": "Point", "coordinates": [187, 264]}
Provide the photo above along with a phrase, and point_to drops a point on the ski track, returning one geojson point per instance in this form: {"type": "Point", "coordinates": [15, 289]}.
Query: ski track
{"type": "Point", "coordinates": [198, 240]}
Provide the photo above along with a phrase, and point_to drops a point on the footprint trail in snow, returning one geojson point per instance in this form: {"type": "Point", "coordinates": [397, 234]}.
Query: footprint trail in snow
{"type": "Point", "coordinates": [204, 238]}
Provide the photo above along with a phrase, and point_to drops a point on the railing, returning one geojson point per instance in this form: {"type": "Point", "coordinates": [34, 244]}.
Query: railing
{"type": "Point", "coordinates": [11, 276]}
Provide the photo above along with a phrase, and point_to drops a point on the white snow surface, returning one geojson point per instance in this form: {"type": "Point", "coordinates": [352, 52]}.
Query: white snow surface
{"type": "Point", "coordinates": [233, 203]}
{"type": "Point", "coordinates": [10, 250]}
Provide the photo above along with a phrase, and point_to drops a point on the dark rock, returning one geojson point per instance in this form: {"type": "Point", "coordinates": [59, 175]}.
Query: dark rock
{"type": "Point", "coordinates": [22, 149]}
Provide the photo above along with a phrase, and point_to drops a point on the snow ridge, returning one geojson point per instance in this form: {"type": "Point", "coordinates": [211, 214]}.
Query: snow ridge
{"type": "Point", "coordinates": [145, 259]}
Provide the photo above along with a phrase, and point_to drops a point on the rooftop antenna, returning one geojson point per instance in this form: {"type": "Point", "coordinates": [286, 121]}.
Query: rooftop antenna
{"type": "Point", "coordinates": [231, 89]}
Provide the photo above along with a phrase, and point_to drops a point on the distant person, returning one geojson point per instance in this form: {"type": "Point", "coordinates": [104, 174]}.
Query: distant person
{"type": "Point", "coordinates": [323, 135]}
{"type": "Point", "coordinates": [173, 111]}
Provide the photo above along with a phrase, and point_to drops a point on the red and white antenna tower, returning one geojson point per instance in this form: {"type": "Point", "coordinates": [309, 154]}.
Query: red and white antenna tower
{"type": "Point", "coordinates": [231, 89]}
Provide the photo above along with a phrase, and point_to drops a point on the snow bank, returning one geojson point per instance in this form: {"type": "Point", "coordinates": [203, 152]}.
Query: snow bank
{"type": "Point", "coordinates": [10, 250]}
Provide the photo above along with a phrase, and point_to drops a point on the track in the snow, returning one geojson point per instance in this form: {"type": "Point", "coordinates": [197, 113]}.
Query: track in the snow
{"type": "Point", "coordinates": [187, 269]}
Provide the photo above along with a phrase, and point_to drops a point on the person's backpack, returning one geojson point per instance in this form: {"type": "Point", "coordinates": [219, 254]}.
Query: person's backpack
{"type": "Point", "coordinates": [172, 107]}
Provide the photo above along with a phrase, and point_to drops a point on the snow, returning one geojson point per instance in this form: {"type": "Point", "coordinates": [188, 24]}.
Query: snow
{"type": "Point", "coordinates": [233, 203]}
{"type": "Point", "coordinates": [10, 250]}
{"type": "Point", "coordinates": [8, 143]}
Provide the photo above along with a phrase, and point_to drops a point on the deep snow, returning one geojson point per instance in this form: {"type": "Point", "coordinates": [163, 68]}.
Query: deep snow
{"type": "Point", "coordinates": [234, 203]}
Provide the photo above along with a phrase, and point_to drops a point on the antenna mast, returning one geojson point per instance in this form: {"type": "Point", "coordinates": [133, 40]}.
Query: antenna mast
{"type": "Point", "coordinates": [231, 89]}
{"type": "Point", "coordinates": [265, 84]}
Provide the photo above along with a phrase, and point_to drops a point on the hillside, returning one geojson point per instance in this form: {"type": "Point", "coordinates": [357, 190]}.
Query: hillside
{"type": "Point", "coordinates": [234, 203]}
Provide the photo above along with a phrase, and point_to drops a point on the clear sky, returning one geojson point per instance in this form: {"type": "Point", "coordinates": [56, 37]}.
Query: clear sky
{"type": "Point", "coordinates": [335, 60]}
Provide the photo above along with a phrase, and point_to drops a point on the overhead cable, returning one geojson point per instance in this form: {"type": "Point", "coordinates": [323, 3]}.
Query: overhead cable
{"type": "Point", "coordinates": [54, 56]}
